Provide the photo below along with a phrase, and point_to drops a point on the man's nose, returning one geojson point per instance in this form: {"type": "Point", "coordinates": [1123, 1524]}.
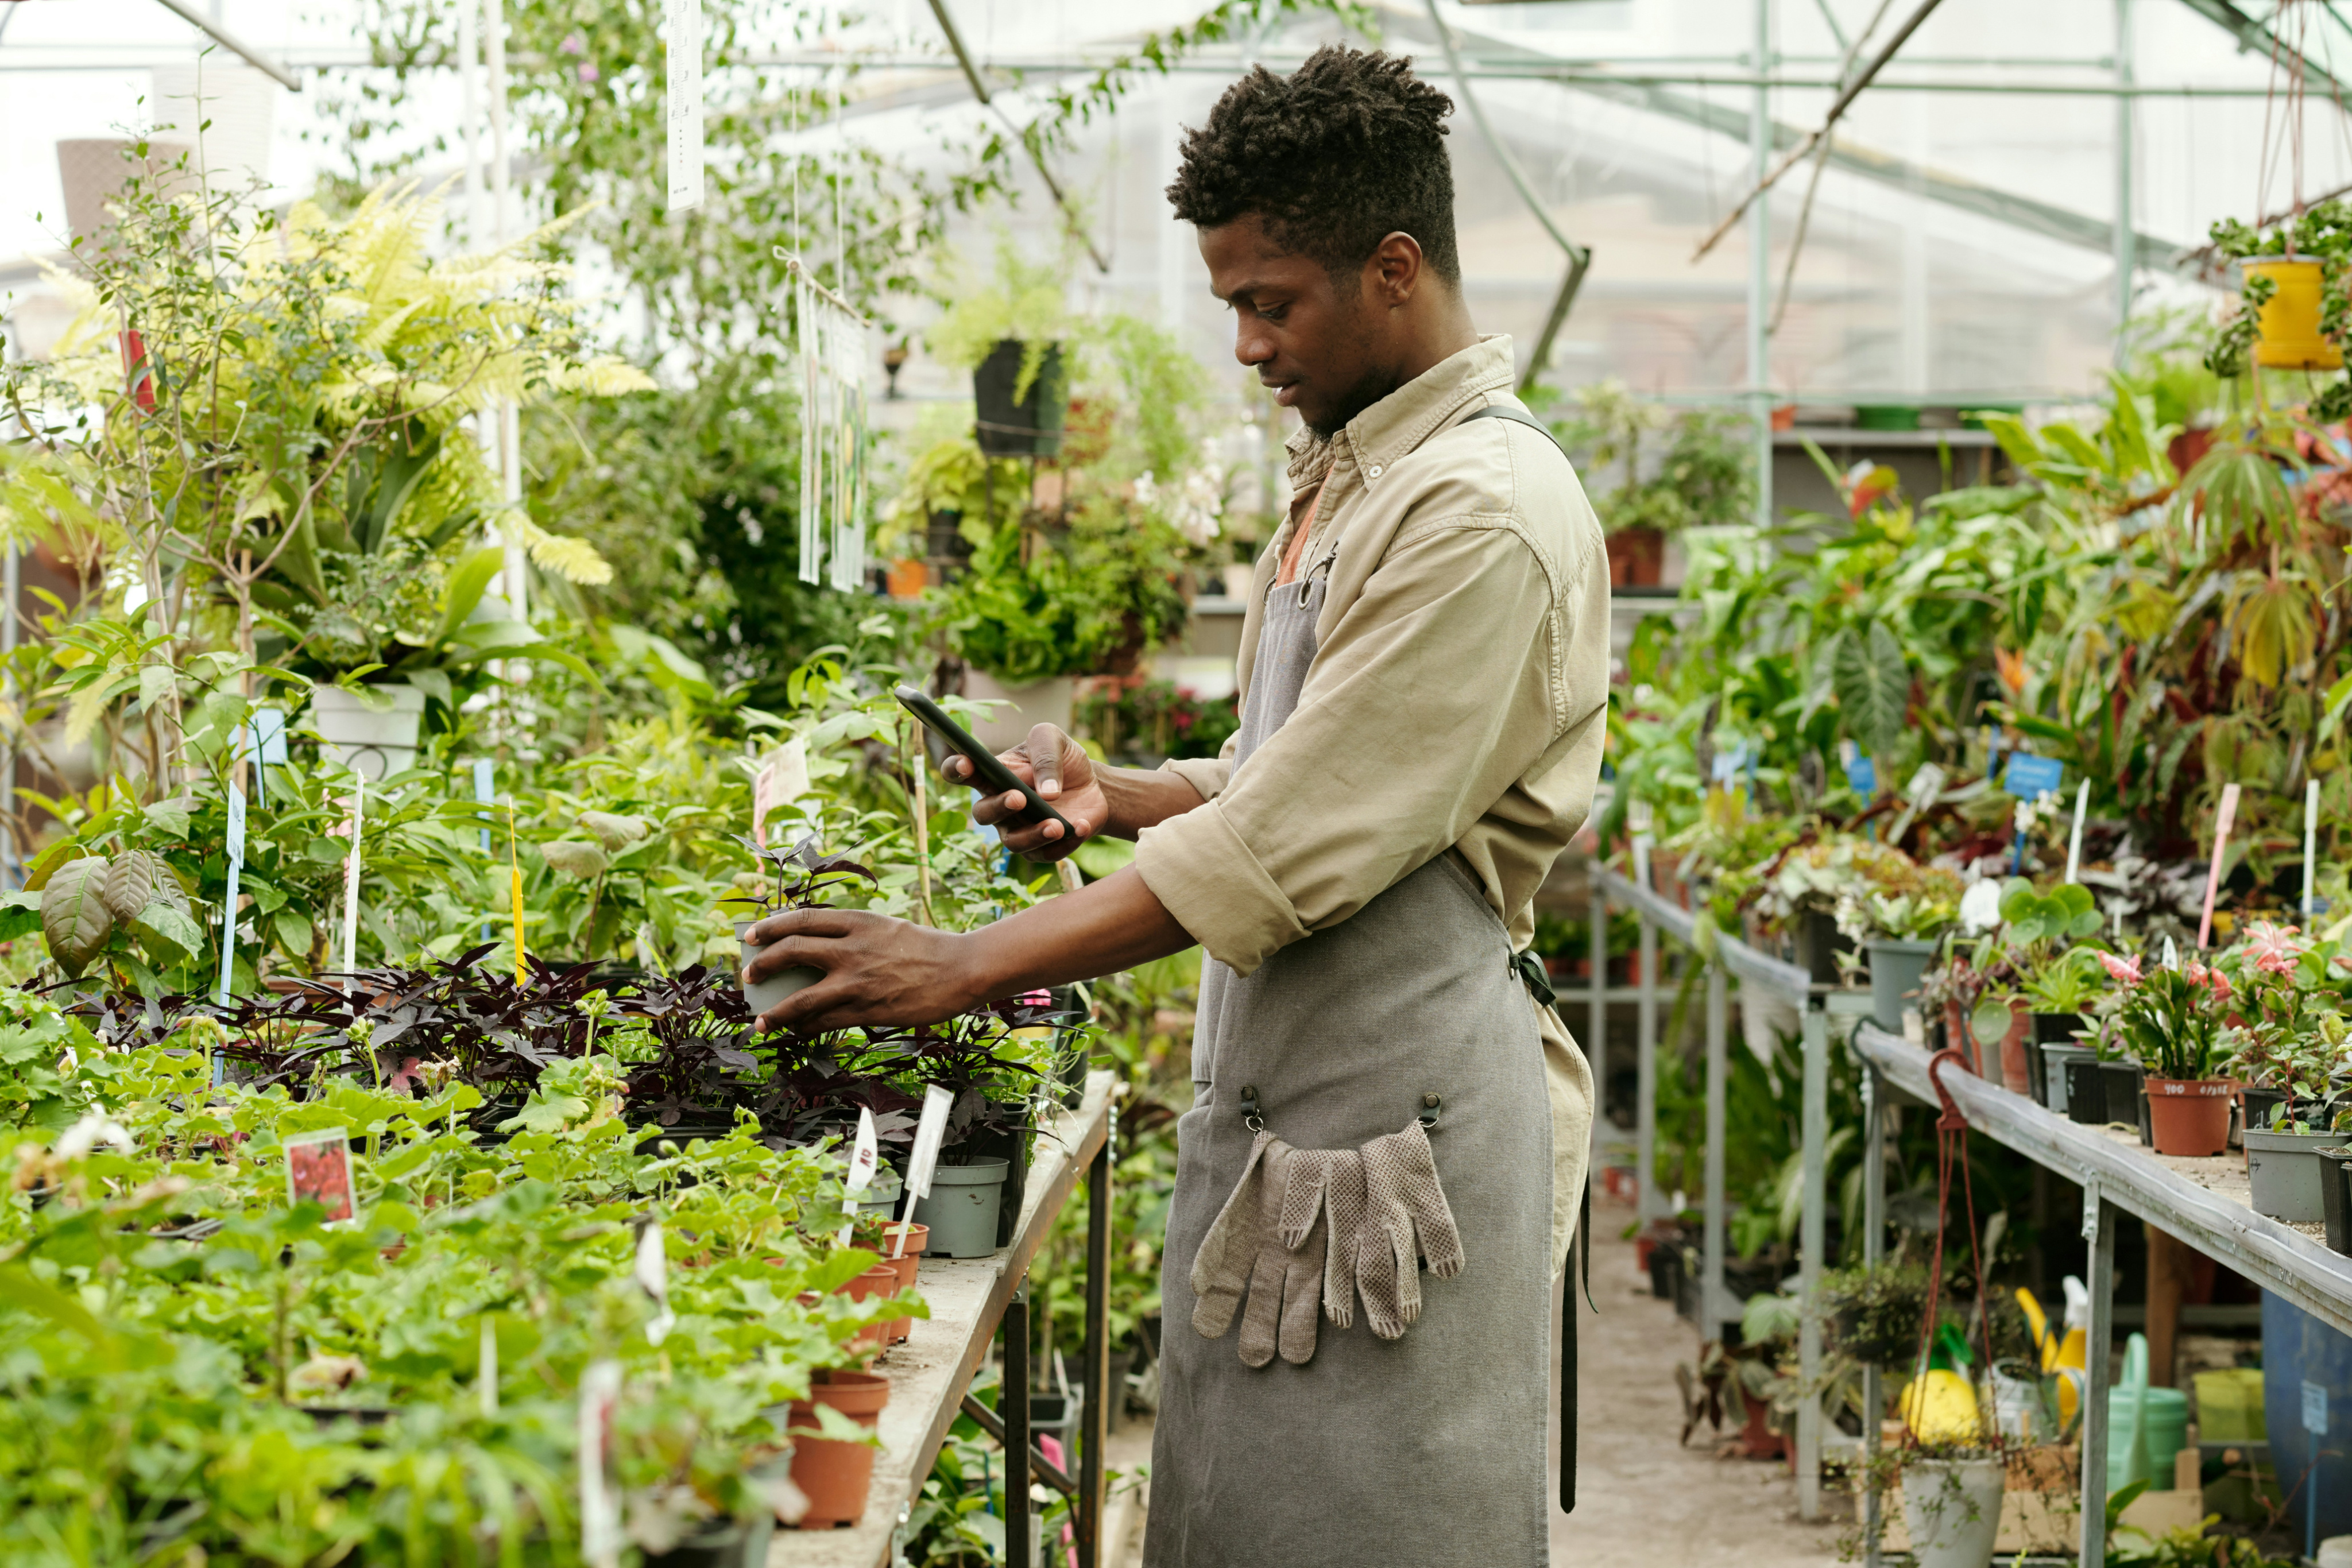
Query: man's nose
{"type": "Point", "coordinates": [1253, 344]}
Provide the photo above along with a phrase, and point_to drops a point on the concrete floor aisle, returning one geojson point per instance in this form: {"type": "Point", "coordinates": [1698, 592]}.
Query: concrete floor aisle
{"type": "Point", "coordinates": [1642, 1501]}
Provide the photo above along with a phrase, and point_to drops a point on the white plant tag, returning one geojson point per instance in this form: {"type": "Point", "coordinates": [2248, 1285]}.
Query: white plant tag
{"type": "Point", "coordinates": [352, 876]}
{"type": "Point", "coordinates": [865, 1157]}
{"type": "Point", "coordinates": [652, 1274]}
{"type": "Point", "coordinates": [929, 1134]}
{"type": "Point", "coordinates": [682, 40]}
{"type": "Point", "coordinates": [228, 903]}
{"type": "Point", "coordinates": [600, 1509]}
{"type": "Point", "coordinates": [486, 1369]}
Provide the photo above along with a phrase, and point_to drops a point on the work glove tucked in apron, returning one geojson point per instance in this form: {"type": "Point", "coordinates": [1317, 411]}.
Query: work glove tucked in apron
{"type": "Point", "coordinates": [1361, 1219]}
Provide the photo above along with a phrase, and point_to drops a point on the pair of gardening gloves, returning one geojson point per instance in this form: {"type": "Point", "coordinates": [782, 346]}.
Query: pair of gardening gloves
{"type": "Point", "coordinates": [1310, 1225]}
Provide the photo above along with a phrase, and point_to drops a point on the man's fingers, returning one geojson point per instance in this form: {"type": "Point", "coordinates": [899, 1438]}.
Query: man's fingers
{"type": "Point", "coordinates": [1046, 760]}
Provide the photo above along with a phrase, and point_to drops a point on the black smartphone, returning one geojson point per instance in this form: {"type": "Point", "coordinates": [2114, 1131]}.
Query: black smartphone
{"type": "Point", "coordinates": [992, 776]}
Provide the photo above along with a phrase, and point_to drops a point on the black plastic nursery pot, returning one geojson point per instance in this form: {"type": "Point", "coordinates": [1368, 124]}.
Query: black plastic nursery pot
{"type": "Point", "coordinates": [2260, 1104]}
{"type": "Point", "coordinates": [2086, 1093]}
{"type": "Point", "coordinates": [2049, 1029]}
{"type": "Point", "coordinates": [1024, 427]}
{"type": "Point", "coordinates": [1819, 942]}
{"type": "Point", "coordinates": [2335, 1198]}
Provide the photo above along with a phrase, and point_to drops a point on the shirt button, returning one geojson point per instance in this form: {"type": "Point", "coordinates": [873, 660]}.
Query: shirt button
{"type": "Point", "coordinates": [1374, 471]}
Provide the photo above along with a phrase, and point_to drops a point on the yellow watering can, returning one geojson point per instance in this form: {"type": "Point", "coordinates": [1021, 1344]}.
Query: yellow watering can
{"type": "Point", "coordinates": [2061, 1348]}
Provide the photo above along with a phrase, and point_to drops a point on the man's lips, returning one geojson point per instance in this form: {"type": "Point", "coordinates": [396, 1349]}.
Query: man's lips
{"type": "Point", "coordinates": [1286, 394]}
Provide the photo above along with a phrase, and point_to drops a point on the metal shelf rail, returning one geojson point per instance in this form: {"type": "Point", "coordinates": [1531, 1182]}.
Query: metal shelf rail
{"type": "Point", "coordinates": [1816, 1005]}
{"type": "Point", "coordinates": [2117, 1180]}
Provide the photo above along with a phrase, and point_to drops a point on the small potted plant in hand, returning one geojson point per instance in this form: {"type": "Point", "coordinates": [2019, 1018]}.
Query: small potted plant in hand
{"type": "Point", "coordinates": [804, 874]}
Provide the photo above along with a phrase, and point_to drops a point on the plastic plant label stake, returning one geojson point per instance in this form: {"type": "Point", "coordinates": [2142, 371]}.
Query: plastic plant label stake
{"type": "Point", "coordinates": [783, 778]}
{"type": "Point", "coordinates": [514, 894]}
{"type": "Point", "coordinates": [929, 1133]}
{"type": "Point", "coordinates": [682, 41]}
{"type": "Point", "coordinates": [351, 878]}
{"type": "Point", "coordinates": [2075, 838]}
{"type": "Point", "coordinates": [318, 1170]}
{"type": "Point", "coordinates": [485, 794]}
{"type": "Point", "coordinates": [2310, 845]}
{"type": "Point", "coordinates": [652, 1274]}
{"type": "Point", "coordinates": [2029, 777]}
{"type": "Point", "coordinates": [865, 1157]}
{"type": "Point", "coordinates": [2221, 820]}
{"type": "Point", "coordinates": [486, 1369]}
{"type": "Point", "coordinates": [600, 1509]}
{"type": "Point", "coordinates": [1927, 783]}
{"type": "Point", "coordinates": [228, 902]}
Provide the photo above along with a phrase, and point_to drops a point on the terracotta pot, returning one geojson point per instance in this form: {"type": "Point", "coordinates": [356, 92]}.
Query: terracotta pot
{"type": "Point", "coordinates": [908, 577]}
{"type": "Point", "coordinates": [2016, 1065]}
{"type": "Point", "coordinates": [2190, 1116]}
{"type": "Point", "coordinates": [836, 1476]}
{"type": "Point", "coordinates": [1637, 557]}
{"type": "Point", "coordinates": [882, 1280]}
{"type": "Point", "coordinates": [1757, 1437]}
{"type": "Point", "coordinates": [918, 1238]}
{"type": "Point", "coordinates": [1956, 1034]}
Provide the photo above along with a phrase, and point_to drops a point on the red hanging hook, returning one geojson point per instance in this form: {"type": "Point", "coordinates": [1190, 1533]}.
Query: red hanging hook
{"type": "Point", "coordinates": [1951, 1120]}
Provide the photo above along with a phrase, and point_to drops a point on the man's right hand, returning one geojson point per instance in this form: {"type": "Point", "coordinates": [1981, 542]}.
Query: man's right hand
{"type": "Point", "coordinates": [1064, 777]}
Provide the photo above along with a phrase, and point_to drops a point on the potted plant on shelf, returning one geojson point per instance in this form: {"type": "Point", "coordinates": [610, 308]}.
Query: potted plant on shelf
{"type": "Point", "coordinates": [2026, 943]}
{"type": "Point", "coordinates": [1900, 915]}
{"type": "Point", "coordinates": [2285, 1043]}
{"type": "Point", "coordinates": [2171, 1020]}
{"type": "Point", "coordinates": [1652, 472]}
{"type": "Point", "coordinates": [2058, 993]}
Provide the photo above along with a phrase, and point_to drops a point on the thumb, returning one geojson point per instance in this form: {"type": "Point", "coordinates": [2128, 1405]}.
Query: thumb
{"type": "Point", "coordinates": [1046, 760]}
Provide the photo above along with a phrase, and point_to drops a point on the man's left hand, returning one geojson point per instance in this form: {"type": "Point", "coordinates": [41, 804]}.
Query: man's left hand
{"type": "Point", "coordinates": [878, 969]}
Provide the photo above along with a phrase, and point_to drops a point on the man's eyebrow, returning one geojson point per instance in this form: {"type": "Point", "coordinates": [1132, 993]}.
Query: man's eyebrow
{"type": "Point", "coordinates": [1247, 291]}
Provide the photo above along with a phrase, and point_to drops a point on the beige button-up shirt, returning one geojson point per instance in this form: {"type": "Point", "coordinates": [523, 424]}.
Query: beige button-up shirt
{"type": "Point", "coordinates": [1458, 697]}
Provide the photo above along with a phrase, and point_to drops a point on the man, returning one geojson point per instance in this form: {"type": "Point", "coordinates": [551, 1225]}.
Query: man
{"type": "Point", "coordinates": [1424, 676]}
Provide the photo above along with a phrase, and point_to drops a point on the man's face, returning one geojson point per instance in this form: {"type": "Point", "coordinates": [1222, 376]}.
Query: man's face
{"type": "Point", "coordinates": [1320, 344]}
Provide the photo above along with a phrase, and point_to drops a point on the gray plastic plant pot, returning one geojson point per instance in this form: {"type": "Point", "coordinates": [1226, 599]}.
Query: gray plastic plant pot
{"type": "Point", "coordinates": [1896, 968]}
{"type": "Point", "coordinates": [775, 987]}
{"type": "Point", "coordinates": [962, 1209]}
{"type": "Point", "coordinates": [2283, 1168]}
{"type": "Point", "coordinates": [2055, 1059]}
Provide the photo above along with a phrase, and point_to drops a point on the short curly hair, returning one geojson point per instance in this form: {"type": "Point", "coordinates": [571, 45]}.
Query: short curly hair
{"type": "Point", "coordinates": [1335, 157]}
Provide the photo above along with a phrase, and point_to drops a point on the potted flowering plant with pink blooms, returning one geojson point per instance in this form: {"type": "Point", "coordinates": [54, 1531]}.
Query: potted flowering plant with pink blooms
{"type": "Point", "coordinates": [2171, 1020]}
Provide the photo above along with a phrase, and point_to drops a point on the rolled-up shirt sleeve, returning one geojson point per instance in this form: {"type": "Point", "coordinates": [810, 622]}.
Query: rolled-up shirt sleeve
{"type": "Point", "coordinates": [1207, 775]}
{"type": "Point", "coordinates": [1437, 689]}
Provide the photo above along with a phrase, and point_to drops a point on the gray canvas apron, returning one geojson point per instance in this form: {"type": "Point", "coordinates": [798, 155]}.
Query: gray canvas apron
{"type": "Point", "coordinates": [1420, 1452]}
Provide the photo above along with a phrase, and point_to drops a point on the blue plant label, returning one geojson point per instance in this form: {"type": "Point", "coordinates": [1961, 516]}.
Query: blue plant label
{"type": "Point", "coordinates": [270, 735]}
{"type": "Point", "coordinates": [1730, 762]}
{"type": "Point", "coordinates": [229, 902]}
{"type": "Point", "coordinates": [2029, 777]}
{"type": "Point", "coordinates": [1862, 775]}
{"type": "Point", "coordinates": [2315, 1407]}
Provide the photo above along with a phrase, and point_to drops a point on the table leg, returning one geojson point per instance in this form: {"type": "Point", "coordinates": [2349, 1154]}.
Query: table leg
{"type": "Point", "coordinates": [1648, 1204]}
{"type": "Point", "coordinates": [1013, 1409]}
{"type": "Point", "coordinates": [2099, 1218]}
{"type": "Point", "coordinates": [1874, 1251]}
{"type": "Point", "coordinates": [1713, 1307]}
{"type": "Point", "coordinates": [1812, 1239]}
{"type": "Point", "coordinates": [1596, 1025]}
{"type": "Point", "coordinates": [1100, 1393]}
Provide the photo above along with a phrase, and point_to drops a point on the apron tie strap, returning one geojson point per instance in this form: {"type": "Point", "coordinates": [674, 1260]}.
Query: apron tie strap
{"type": "Point", "coordinates": [1531, 970]}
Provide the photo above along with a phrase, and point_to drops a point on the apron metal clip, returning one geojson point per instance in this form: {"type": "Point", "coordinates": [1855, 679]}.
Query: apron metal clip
{"type": "Point", "coordinates": [1250, 1116]}
{"type": "Point", "coordinates": [1431, 1104]}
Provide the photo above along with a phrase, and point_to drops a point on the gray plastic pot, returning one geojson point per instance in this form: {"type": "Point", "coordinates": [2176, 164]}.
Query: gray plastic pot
{"type": "Point", "coordinates": [1895, 970]}
{"type": "Point", "coordinates": [962, 1209]}
{"type": "Point", "coordinates": [882, 1194]}
{"type": "Point", "coordinates": [2283, 1170]}
{"type": "Point", "coordinates": [775, 987]}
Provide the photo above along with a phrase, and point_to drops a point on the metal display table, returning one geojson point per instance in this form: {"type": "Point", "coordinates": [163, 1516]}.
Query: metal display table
{"type": "Point", "coordinates": [2117, 1178]}
{"type": "Point", "coordinates": [968, 1299]}
{"type": "Point", "coordinates": [1816, 1005]}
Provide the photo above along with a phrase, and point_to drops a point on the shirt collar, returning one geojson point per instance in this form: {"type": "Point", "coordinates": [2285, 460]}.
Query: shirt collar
{"type": "Point", "coordinates": [1405, 418]}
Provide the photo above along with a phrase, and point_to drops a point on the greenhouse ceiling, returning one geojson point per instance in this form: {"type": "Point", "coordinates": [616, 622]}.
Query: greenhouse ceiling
{"type": "Point", "coordinates": [1959, 244]}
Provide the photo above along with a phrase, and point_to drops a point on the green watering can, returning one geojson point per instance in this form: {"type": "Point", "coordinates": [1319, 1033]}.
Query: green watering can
{"type": "Point", "coordinates": [2146, 1426]}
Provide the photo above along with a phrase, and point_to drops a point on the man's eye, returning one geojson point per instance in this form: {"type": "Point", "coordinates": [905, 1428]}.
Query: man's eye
{"type": "Point", "coordinates": [1273, 313]}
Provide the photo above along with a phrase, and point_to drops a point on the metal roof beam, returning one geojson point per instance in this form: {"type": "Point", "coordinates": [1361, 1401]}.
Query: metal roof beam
{"type": "Point", "coordinates": [2254, 37]}
{"type": "Point", "coordinates": [2027, 212]}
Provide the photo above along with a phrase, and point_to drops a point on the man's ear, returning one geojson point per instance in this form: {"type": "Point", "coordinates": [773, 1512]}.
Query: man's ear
{"type": "Point", "coordinates": [1395, 269]}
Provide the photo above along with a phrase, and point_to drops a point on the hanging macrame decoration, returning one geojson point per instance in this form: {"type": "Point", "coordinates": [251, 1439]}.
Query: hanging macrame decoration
{"type": "Point", "coordinates": [833, 355]}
